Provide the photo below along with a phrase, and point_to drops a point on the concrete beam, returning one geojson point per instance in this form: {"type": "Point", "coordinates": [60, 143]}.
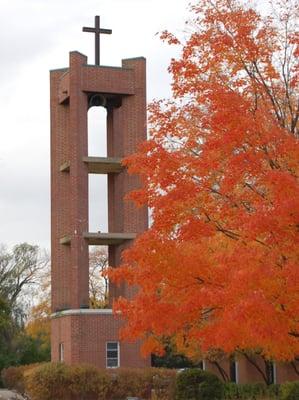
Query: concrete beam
{"type": "Point", "coordinates": [66, 240]}
{"type": "Point", "coordinates": [105, 239]}
{"type": "Point", "coordinates": [103, 165]}
{"type": "Point", "coordinates": [65, 167]}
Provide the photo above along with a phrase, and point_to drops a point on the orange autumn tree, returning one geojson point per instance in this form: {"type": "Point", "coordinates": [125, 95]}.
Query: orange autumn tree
{"type": "Point", "coordinates": [39, 324]}
{"type": "Point", "coordinates": [219, 266]}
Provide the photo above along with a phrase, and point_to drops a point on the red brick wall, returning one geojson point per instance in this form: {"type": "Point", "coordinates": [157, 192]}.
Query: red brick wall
{"type": "Point", "coordinates": [69, 190]}
{"type": "Point", "coordinates": [60, 197]}
{"type": "Point", "coordinates": [286, 373]}
{"type": "Point", "coordinates": [84, 337]}
{"type": "Point", "coordinates": [247, 373]}
{"type": "Point", "coordinates": [126, 127]}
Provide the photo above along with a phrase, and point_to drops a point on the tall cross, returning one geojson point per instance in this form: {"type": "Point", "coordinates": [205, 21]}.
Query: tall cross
{"type": "Point", "coordinates": [97, 31]}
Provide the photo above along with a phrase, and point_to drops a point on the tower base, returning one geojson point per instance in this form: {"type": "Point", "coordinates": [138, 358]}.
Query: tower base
{"type": "Point", "coordinates": [92, 337]}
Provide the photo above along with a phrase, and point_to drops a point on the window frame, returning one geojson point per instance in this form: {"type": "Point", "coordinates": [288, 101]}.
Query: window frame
{"type": "Point", "coordinates": [113, 358]}
{"type": "Point", "coordinates": [61, 352]}
{"type": "Point", "coordinates": [271, 372]}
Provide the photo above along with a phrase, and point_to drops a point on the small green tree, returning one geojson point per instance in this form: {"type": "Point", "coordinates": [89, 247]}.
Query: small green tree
{"type": "Point", "coordinates": [196, 384]}
{"type": "Point", "coordinates": [21, 273]}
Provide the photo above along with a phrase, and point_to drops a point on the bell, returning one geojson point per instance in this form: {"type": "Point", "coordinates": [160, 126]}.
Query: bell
{"type": "Point", "coordinates": [97, 100]}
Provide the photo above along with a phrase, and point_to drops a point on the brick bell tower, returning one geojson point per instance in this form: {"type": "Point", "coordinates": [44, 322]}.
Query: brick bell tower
{"type": "Point", "coordinates": [80, 334]}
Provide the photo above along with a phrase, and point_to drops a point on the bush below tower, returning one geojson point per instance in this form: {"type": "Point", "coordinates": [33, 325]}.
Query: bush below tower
{"type": "Point", "coordinates": [51, 381]}
{"type": "Point", "coordinates": [60, 381]}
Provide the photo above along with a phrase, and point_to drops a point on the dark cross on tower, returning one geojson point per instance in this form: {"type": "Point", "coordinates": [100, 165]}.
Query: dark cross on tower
{"type": "Point", "coordinates": [97, 31]}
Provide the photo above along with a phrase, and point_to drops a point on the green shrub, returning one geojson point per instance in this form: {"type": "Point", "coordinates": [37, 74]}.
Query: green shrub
{"type": "Point", "coordinates": [195, 384]}
{"type": "Point", "coordinates": [231, 391]}
{"type": "Point", "coordinates": [250, 391]}
{"type": "Point", "coordinates": [273, 391]}
{"type": "Point", "coordinates": [289, 391]}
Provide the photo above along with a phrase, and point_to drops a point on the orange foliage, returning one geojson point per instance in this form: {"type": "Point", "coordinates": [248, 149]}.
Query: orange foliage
{"type": "Point", "coordinates": [218, 268]}
{"type": "Point", "coordinates": [39, 324]}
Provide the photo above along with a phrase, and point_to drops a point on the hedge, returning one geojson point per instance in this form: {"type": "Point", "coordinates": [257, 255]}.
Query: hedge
{"type": "Point", "coordinates": [289, 391]}
{"type": "Point", "coordinates": [142, 383]}
{"type": "Point", "coordinates": [50, 381]}
{"type": "Point", "coordinates": [233, 391]}
{"type": "Point", "coordinates": [85, 382]}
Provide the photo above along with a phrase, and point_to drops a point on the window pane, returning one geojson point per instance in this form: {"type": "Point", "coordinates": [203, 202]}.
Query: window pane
{"type": "Point", "coordinates": [111, 362]}
{"type": "Point", "coordinates": [112, 354]}
{"type": "Point", "coordinates": [112, 346]}
{"type": "Point", "coordinates": [61, 352]}
{"type": "Point", "coordinates": [233, 371]}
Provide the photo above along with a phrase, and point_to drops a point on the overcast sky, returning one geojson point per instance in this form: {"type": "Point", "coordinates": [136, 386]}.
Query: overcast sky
{"type": "Point", "coordinates": [36, 36]}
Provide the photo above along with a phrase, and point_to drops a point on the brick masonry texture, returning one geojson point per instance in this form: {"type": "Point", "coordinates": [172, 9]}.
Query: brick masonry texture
{"type": "Point", "coordinates": [85, 336]}
{"type": "Point", "coordinates": [247, 373]}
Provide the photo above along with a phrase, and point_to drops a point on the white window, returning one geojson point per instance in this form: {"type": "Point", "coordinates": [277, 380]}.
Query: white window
{"type": "Point", "coordinates": [112, 354]}
{"type": "Point", "coordinates": [237, 371]}
{"type": "Point", "coordinates": [233, 370]}
{"type": "Point", "coordinates": [271, 372]}
{"type": "Point", "coordinates": [274, 373]}
{"type": "Point", "coordinates": [61, 352]}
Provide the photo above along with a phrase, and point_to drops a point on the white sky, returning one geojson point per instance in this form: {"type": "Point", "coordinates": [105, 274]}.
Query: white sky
{"type": "Point", "coordinates": [36, 36]}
